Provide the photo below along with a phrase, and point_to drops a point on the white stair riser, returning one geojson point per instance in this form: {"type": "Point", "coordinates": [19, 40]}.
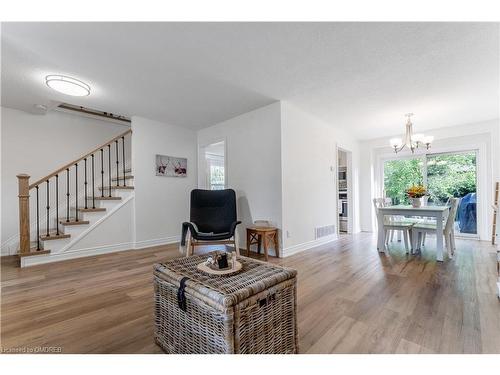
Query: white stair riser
{"type": "Point", "coordinates": [33, 244]}
{"type": "Point", "coordinates": [109, 204]}
{"type": "Point", "coordinates": [74, 230]}
{"type": "Point", "coordinates": [123, 193]}
{"type": "Point", "coordinates": [55, 245]}
{"type": "Point", "coordinates": [91, 216]}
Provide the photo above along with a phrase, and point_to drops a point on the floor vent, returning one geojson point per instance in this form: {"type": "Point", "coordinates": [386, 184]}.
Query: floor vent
{"type": "Point", "coordinates": [325, 231]}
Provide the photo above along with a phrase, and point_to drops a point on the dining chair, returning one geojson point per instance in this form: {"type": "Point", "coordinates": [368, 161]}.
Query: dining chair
{"type": "Point", "coordinates": [420, 229]}
{"type": "Point", "coordinates": [427, 220]}
{"type": "Point", "coordinates": [393, 224]}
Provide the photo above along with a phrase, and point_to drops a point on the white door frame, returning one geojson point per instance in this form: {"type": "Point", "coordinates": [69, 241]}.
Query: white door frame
{"type": "Point", "coordinates": [481, 177]}
{"type": "Point", "coordinates": [202, 167]}
{"type": "Point", "coordinates": [350, 208]}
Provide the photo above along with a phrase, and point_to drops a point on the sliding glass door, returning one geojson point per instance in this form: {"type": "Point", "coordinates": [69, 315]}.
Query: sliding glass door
{"type": "Point", "coordinates": [455, 175]}
{"type": "Point", "coordinates": [445, 176]}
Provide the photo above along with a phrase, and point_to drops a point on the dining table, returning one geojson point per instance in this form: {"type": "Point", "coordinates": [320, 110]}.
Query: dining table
{"type": "Point", "coordinates": [437, 212]}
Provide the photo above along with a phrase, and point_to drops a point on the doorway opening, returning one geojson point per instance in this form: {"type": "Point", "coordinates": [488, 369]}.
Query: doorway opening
{"type": "Point", "coordinates": [344, 195]}
{"type": "Point", "coordinates": [214, 160]}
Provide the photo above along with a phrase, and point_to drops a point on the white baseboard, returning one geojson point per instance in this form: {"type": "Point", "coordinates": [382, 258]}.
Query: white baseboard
{"type": "Point", "coordinates": [156, 242]}
{"type": "Point", "coordinates": [73, 254]}
{"type": "Point", "coordinates": [98, 250]}
{"type": "Point", "coordinates": [287, 251]}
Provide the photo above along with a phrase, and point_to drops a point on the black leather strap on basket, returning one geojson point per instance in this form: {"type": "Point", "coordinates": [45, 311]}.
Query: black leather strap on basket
{"type": "Point", "coordinates": [181, 298]}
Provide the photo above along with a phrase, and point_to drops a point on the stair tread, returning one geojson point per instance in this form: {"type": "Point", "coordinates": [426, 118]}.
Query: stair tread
{"type": "Point", "coordinates": [127, 177]}
{"type": "Point", "coordinates": [117, 187]}
{"type": "Point", "coordinates": [105, 198]}
{"type": "Point", "coordinates": [73, 222]}
{"type": "Point", "coordinates": [34, 251]}
{"type": "Point", "coordinates": [97, 209]}
{"type": "Point", "coordinates": [54, 236]}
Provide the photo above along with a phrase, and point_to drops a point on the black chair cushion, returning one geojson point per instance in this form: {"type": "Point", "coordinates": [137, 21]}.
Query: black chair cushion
{"type": "Point", "coordinates": [213, 211]}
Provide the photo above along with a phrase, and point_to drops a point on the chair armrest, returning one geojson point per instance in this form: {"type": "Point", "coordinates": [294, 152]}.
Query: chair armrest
{"type": "Point", "coordinates": [233, 227]}
{"type": "Point", "coordinates": [185, 226]}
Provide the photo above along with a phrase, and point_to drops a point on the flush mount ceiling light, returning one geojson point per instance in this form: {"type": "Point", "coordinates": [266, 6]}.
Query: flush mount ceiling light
{"type": "Point", "coordinates": [412, 141]}
{"type": "Point", "coordinates": [67, 85]}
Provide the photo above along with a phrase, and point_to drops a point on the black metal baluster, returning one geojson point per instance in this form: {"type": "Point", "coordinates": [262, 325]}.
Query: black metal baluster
{"type": "Point", "coordinates": [117, 165]}
{"type": "Point", "coordinates": [102, 175]}
{"type": "Point", "coordinates": [67, 194]}
{"type": "Point", "coordinates": [57, 204]}
{"type": "Point", "coordinates": [37, 221]}
{"type": "Point", "coordinates": [76, 191]}
{"type": "Point", "coordinates": [85, 183]}
{"type": "Point", "coordinates": [93, 183]}
{"type": "Point", "coordinates": [123, 160]}
{"type": "Point", "coordinates": [48, 209]}
{"type": "Point", "coordinates": [109, 169]}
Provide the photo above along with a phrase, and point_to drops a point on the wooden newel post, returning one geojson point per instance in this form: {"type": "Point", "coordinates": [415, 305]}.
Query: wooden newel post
{"type": "Point", "coordinates": [24, 213]}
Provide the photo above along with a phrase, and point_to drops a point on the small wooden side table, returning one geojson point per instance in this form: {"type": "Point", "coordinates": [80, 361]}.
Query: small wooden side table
{"type": "Point", "coordinates": [262, 235]}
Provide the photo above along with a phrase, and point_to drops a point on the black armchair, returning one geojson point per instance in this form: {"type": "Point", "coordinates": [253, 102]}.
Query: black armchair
{"type": "Point", "coordinates": [213, 219]}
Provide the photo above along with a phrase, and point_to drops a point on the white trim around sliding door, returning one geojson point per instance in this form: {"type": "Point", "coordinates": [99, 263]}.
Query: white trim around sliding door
{"type": "Point", "coordinates": [481, 177]}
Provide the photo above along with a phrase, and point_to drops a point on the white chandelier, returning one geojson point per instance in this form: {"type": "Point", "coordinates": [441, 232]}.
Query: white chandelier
{"type": "Point", "coordinates": [412, 141]}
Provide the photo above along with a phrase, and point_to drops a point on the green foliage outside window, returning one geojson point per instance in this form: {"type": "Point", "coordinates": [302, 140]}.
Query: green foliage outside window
{"type": "Point", "coordinates": [448, 175]}
{"type": "Point", "coordinates": [451, 175]}
{"type": "Point", "coordinates": [399, 175]}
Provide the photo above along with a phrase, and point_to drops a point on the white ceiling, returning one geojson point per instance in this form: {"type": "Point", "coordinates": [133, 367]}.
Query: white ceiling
{"type": "Point", "coordinates": [362, 77]}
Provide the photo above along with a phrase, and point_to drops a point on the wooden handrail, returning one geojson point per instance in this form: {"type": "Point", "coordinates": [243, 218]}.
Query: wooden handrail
{"type": "Point", "coordinates": [63, 168]}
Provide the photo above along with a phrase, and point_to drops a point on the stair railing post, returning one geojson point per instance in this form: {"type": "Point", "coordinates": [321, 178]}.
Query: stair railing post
{"type": "Point", "coordinates": [24, 213]}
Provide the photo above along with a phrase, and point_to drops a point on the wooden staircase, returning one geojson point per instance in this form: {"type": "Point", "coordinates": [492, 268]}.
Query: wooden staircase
{"type": "Point", "coordinates": [81, 193]}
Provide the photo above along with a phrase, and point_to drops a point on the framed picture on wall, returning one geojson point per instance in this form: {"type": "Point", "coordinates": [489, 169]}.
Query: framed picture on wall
{"type": "Point", "coordinates": [171, 166]}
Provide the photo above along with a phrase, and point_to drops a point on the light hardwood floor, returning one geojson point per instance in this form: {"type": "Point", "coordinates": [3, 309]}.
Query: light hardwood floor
{"type": "Point", "coordinates": [351, 299]}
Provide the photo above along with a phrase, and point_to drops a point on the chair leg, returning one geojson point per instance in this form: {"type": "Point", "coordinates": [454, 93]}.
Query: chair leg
{"type": "Point", "coordinates": [264, 240]}
{"type": "Point", "coordinates": [399, 235]}
{"type": "Point", "coordinates": [419, 240]}
{"type": "Point", "coordinates": [447, 244]}
{"type": "Point", "coordinates": [235, 242]}
{"type": "Point", "coordinates": [413, 237]}
{"type": "Point", "coordinates": [405, 237]}
{"type": "Point", "coordinates": [453, 246]}
{"type": "Point", "coordinates": [248, 243]}
{"type": "Point", "coordinates": [451, 252]}
{"type": "Point", "coordinates": [188, 245]}
{"type": "Point", "coordinates": [386, 237]}
{"type": "Point", "coordinates": [423, 238]}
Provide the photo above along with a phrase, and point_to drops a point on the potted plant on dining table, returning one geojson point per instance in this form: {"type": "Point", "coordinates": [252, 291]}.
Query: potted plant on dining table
{"type": "Point", "coordinates": [416, 193]}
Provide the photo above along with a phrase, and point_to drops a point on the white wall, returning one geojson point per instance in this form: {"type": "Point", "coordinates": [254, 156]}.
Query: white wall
{"type": "Point", "coordinates": [309, 147]}
{"type": "Point", "coordinates": [484, 136]}
{"type": "Point", "coordinates": [279, 161]}
{"type": "Point", "coordinates": [116, 231]}
{"type": "Point", "coordinates": [161, 203]}
{"type": "Point", "coordinates": [253, 163]}
{"type": "Point", "coordinates": [37, 145]}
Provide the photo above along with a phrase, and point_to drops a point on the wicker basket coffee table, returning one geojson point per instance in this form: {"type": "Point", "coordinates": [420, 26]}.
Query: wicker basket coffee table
{"type": "Point", "coordinates": [253, 311]}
